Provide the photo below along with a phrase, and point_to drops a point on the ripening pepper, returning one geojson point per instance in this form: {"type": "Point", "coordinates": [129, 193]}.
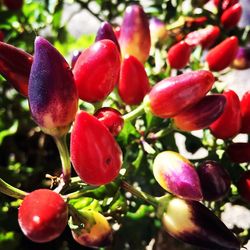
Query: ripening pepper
{"type": "Point", "coordinates": [195, 22]}
{"type": "Point", "coordinates": [215, 180]}
{"type": "Point", "coordinates": [242, 59]}
{"type": "Point", "coordinates": [15, 65]}
{"type": "Point", "coordinates": [239, 152]}
{"type": "Point", "coordinates": [111, 118]}
{"type": "Point", "coordinates": [222, 55]}
{"type": "Point", "coordinates": [244, 185]}
{"type": "Point", "coordinates": [91, 229]}
{"type": "Point", "coordinates": [134, 37]}
{"type": "Point", "coordinates": [97, 70]}
{"type": "Point", "coordinates": [205, 37]}
{"type": "Point", "coordinates": [95, 154]}
{"type": "Point", "coordinates": [52, 93]}
{"type": "Point", "coordinates": [106, 32]}
{"type": "Point", "coordinates": [193, 223]}
{"type": "Point", "coordinates": [133, 82]}
{"type": "Point", "coordinates": [245, 113]}
{"type": "Point", "coordinates": [158, 31]}
{"type": "Point", "coordinates": [229, 123]}
{"type": "Point", "coordinates": [201, 114]}
{"type": "Point", "coordinates": [177, 175]}
{"type": "Point", "coordinates": [179, 55]}
{"type": "Point", "coordinates": [172, 95]}
{"type": "Point", "coordinates": [231, 16]}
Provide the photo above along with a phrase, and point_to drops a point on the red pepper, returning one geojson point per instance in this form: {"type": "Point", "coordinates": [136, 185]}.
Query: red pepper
{"type": "Point", "coordinates": [15, 65]}
{"type": "Point", "coordinates": [239, 152]}
{"type": "Point", "coordinates": [205, 37]}
{"type": "Point", "coordinates": [222, 55]}
{"type": "Point", "coordinates": [245, 113]}
{"type": "Point", "coordinates": [133, 83]}
{"type": "Point", "coordinates": [111, 118]}
{"type": "Point", "coordinates": [231, 16]}
{"type": "Point", "coordinates": [135, 35]}
{"type": "Point", "coordinates": [97, 70]}
{"type": "Point", "coordinates": [229, 123]}
{"type": "Point", "coordinates": [179, 55]}
{"type": "Point", "coordinates": [95, 154]}
{"type": "Point", "coordinates": [244, 186]}
{"type": "Point", "coordinates": [172, 95]}
{"type": "Point", "coordinates": [201, 114]}
{"type": "Point", "coordinates": [195, 22]}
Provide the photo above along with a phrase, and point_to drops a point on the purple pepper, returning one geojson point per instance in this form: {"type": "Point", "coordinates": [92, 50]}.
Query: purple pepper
{"type": "Point", "coordinates": [52, 93]}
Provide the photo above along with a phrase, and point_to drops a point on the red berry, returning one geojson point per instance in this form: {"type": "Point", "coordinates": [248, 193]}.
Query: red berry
{"type": "Point", "coordinates": [229, 123]}
{"type": "Point", "coordinates": [111, 118]}
{"type": "Point", "coordinates": [13, 4]}
{"type": "Point", "coordinates": [97, 70]}
{"type": "Point", "coordinates": [95, 154]}
{"type": "Point", "coordinates": [133, 83]}
{"type": "Point", "coordinates": [222, 55]}
{"type": "Point", "coordinates": [43, 215]}
{"type": "Point", "coordinates": [178, 55]}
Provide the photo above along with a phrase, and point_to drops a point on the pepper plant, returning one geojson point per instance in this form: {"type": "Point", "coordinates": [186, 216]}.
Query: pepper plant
{"type": "Point", "coordinates": [113, 175]}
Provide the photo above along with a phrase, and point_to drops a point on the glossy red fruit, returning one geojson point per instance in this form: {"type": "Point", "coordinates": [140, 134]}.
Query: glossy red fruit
{"type": "Point", "coordinates": [95, 154]}
{"type": "Point", "coordinates": [215, 180]}
{"type": "Point", "coordinates": [239, 152]}
{"type": "Point", "coordinates": [229, 123]}
{"type": "Point", "coordinates": [244, 185]}
{"type": "Point", "coordinates": [201, 114]}
{"type": "Point", "coordinates": [231, 16]}
{"type": "Point", "coordinates": [43, 215]}
{"type": "Point", "coordinates": [222, 55]}
{"type": "Point", "coordinates": [205, 37]}
{"type": "Point", "coordinates": [13, 4]}
{"type": "Point", "coordinates": [245, 113]}
{"type": "Point", "coordinates": [111, 118]}
{"type": "Point", "coordinates": [134, 37]}
{"type": "Point", "coordinates": [174, 94]}
{"type": "Point", "coordinates": [133, 83]}
{"type": "Point", "coordinates": [179, 55]}
{"type": "Point", "coordinates": [97, 70]}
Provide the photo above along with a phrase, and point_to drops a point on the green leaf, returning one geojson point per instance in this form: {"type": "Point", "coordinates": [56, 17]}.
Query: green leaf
{"type": "Point", "coordinates": [10, 131]}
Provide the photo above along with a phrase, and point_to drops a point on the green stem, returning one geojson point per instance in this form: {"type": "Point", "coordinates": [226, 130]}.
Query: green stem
{"type": "Point", "coordinates": [9, 190]}
{"type": "Point", "coordinates": [139, 194]}
{"type": "Point", "coordinates": [65, 159]}
{"type": "Point", "coordinates": [134, 113]}
{"type": "Point", "coordinates": [168, 70]}
{"type": "Point", "coordinates": [166, 131]}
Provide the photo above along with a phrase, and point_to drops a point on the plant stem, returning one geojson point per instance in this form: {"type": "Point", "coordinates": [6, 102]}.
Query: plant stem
{"type": "Point", "coordinates": [134, 113]}
{"type": "Point", "coordinates": [65, 159]}
{"type": "Point", "coordinates": [139, 194]}
{"type": "Point", "coordinates": [9, 190]}
{"type": "Point", "coordinates": [163, 132]}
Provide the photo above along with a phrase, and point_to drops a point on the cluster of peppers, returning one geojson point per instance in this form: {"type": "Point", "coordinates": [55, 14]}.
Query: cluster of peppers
{"type": "Point", "coordinates": [53, 90]}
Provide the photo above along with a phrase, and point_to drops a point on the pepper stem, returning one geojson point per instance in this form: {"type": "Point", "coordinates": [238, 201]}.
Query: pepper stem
{"type": "Point", "coordinates": [9, 190]}
{"type": "Point", "coordinates": [134, 113]}
{"type": "Point", "coordinates": [140, 194]}
{"type": "Point", "coordinates": [65, 159]}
